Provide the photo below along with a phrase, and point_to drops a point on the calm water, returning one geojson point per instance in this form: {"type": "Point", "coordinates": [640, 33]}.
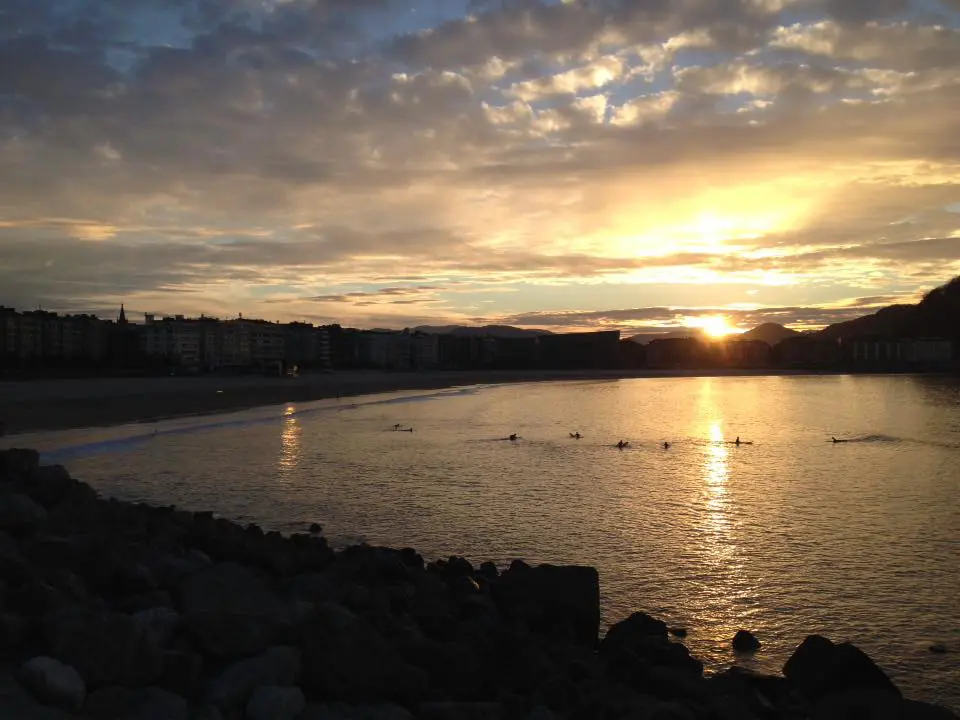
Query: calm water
{"type": "Point", "coordinates": [790, 535]}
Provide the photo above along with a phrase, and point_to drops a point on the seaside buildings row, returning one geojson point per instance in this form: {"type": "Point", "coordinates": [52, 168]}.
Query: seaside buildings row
{"type": "Point", "coordinates": [44, 343]}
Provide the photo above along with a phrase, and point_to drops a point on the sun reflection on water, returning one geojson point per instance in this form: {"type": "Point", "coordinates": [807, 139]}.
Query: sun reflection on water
{"type": "Point", "coordinates": [290, 440]}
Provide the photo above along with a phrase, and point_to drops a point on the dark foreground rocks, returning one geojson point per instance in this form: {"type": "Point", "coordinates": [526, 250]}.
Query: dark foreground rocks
{"type": "Point", "coordinates": [111, 610]}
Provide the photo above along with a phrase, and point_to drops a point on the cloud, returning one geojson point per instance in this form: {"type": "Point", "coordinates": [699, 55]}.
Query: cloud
{"type": "Point", "coordinates": [215, 154]}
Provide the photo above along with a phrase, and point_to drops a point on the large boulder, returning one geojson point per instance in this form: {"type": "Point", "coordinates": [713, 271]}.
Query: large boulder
{"type": "Point", "coordinates": [271, 702]}
{"type": "Point", "coordinates": [17, 462]}
{"type": "Point", "coordinates": [232, 688]}
{"type": "Point", "coordinates": [106, 648]}
{"type": "Point", "coordinates": [18, 513]}
{"type": "Point", "coordinates": [16, 702]}
{"type": "Point", "coordinates": [558, 601]}
{"type": "Point", "coordinates": [342, 711]}
{"type": "Point", "coordinates": [818, 668]}
{"type": "Point", "coordinates": [874, 705]}
{"type": "Point", "coordinates": [638, 651]}
{"type": "Point", "coordinates": [148, 703]}
{"type": "Point", "coordinates": [226, 587]}
{"type": "Point", "coordinates": [234, 635]}
{"type": "Point", "coordinates": [54, 683]}
{"type": "Point", "coordinates": [345, 658]}
{"type": "Point", "coordinates": [462, 711]}
{"type": "Point", "coordinates": [745, 641]}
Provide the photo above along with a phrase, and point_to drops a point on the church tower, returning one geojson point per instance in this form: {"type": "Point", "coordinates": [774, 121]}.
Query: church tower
{"type": "Point", "coordinates": [122, 320]}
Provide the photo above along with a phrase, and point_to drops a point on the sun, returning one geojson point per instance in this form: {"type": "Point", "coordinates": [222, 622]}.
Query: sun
{"type": "Point", "coordinates": [714, 326]}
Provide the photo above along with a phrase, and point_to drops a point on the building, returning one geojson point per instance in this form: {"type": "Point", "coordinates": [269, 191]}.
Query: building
{"type": "Point", "coordinates": [742, 354]}
{"type": "Point", "coordinates": [802, 352]}
{"type": "Point", "coordinates": [676, 353]}
{"type": "Point", "coordinates": [928, 353]}
{"type": "Point", "coordinates": [579, 350]}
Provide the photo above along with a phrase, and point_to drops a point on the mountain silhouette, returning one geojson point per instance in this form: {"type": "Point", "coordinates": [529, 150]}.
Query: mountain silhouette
{"type": "Point", "coordinates": [937, 315]}
{"type": "Point", "coordinates": [770, 333]}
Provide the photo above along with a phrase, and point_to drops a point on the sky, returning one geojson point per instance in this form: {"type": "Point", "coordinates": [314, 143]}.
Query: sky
{"type": "Point", "coordinates": [588, 164]}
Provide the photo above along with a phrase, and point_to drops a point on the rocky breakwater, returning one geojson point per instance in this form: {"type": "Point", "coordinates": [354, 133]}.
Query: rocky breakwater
{"type": "Point", "coordinates": [117, 610]}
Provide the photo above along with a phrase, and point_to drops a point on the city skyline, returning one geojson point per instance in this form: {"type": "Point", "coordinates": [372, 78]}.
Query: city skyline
{"type": "Point", "coordinates": [582, 165]}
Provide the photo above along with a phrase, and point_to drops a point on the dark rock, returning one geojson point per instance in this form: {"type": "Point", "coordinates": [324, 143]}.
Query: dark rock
{"type": "Point", "coordinates": [316, 528]}
{"type": "Point", "coordinates": [17, 462]}
{"type": "Point", "coordinates": [13, 630]}
{"type": "Point", "coordinates": [874, 705]}
{"type": "Point", "coordinates": [234, 634]}
{"type": "Point", "coordinates": [182, 673]}
{"type": "Point", "coordinates": [271, 702]}
{"type": "Point", "coordinates": [342, 711]}
{"type": "Point", "coordinates": [53, 683]}
{"type": "Point", "coordinates": [939, 648]}
{"type": "Point", "coordinates": [489, 570]}
{"type": "Point", "coordinates": [226, 588]}
{"type": "Point", "coordinates": [678, 632]}
{"type": "Point", "coordinates": [105, 648]}
{"type": "Point", "coordinates": [148, 703]}
{"type": "Point", "coordinates": [135, 604]}
{"type": "Point", "coordinates": [18, 704]}
{"type": "Point", "coordinates": [411, 558]}
{"type": "Point", "coordinates": [462, 711]}
{"type": "Point", "coordinates": [745, 641]}
{"type": "Point", "coordinates": [51, 484]}
{"type": "Point", "coordinates": [818, 668]}
{"type": "Point", "coordinates": [18, 513]}
{"type": "Point", "coordinates": [206, 711]}
{"type": "Point", "coordinates": [454, 669]}
{"type": "Point", "coordinates": [109, 702]}
{"type": "Point", "coordinates": [345, 658]}
{"type": "Point", "coordinates": [552, 600]}
{"type": "Point", "coordinates": [232, 688]}
{"type": "Point", "coordinates": [638, 651]}
{"type": "Point", "coordinates": [163, 622]}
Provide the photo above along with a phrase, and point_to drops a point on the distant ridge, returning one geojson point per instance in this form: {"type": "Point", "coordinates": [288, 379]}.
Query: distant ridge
{"type": "Point", "coordinates": [645, 338]}
{"type": "Point", "coordinates": [936, 315]}
{"type": "Point", "coordinates": [770, 333]}
{"type": "Point", "coordinates": [503, 331]}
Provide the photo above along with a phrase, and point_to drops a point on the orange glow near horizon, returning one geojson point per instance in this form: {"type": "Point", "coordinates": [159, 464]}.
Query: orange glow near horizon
{"type": "Point", "coordinates": [715, 326]}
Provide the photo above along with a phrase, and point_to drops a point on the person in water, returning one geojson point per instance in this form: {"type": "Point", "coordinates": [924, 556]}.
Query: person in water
{"type": "Point", "coordinates": [666, 445]}
{"type": "Point", "coordinates": [622, 444]}
{"type": "Point", "coordinates": [513, 436]}
{"type": "Point", "coordinates": [737, 441]}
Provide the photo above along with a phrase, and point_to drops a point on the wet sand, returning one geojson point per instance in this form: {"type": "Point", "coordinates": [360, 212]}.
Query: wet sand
{"type": "Point", "coordinates": [63, 404]}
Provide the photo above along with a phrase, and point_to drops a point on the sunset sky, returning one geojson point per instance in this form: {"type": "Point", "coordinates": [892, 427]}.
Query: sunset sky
{"type": "Point", "coordinates": [630, 164]}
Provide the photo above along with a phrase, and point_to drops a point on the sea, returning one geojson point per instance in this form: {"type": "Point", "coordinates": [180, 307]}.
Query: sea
{"type": "Point", "coordinates": [785, 534]}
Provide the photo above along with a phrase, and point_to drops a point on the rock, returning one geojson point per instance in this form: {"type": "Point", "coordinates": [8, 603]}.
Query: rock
{"type": "Point", "coordinates": [163, 622]}
{"type": "Point", "coordinates": [552, 600]}
{"type": "Point", "coordinates": [232, 688]}
{"type": "Point", "coordinates": [54, 683]}
{"type": "Point", "coordinates": [316, 528]}
{"type": "Point", "coordinates": [541, 713]}
{"type": "Point", "coordinates": [489, 570]}
{"type": "Point", "coordinates": [342, 711]}
{"type": "Point", "coordinates": [18, 513]}
{"type": "Point", "coordinates": [226, 588]}
{"type": "Point", "coordinates": [105, 648]}
{"type": "Point", "coordinates": [818, 668]}
{"type": "Point", "coordinates": [206, 712]}
{"type": "Point", "coordinates": [637, 651]}
{"type": "Point", "coordinates": [678, 632]}
{"type": "Point", "coordinates": [13, 629]}
{"type": "Point", "coordinates": [51, 484]}
{"type": "Point", "coordinates": [18, 704]}
{"type": "Point", "coordinates": [271, 702]}
{"type": "Point", "coordinates": [462, 711]}
{"type": "Point", "coordinates": [874, 705]}
{"type": "Point", "coordinates": [939, 648]}
{"type": "Point", "coordinates": [452, 667]}
{"type": "Point", "coordinates": [234, 635]}
{"type": "Point", "coordinates": [745, 641]}
{"type": "Point", "coordinates": [17, 462]}
{"type": "Point", "coordinates": [345, 658]}
{"type": "Point", "coordinates": [181, 673]}
{"type": "Point", "coordinates": [149, 703]}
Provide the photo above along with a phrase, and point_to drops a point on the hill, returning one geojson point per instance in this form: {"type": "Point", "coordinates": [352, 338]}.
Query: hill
{"type": "Point", "coordinates": [503, 331]}
{"type": "Point", "coordinates": [770, 333]}
{"type": "Point", "coordinates": [936, 315]}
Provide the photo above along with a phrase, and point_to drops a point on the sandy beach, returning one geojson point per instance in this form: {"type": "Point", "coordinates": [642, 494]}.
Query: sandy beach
{"type": "Point", "coordinates": [64, 404]}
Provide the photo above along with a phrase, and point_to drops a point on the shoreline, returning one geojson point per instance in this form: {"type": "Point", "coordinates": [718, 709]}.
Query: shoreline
{"type": "Point", "coordinates": [118, 609]}
{"type": "Point", "coordinates": [51, 405]}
